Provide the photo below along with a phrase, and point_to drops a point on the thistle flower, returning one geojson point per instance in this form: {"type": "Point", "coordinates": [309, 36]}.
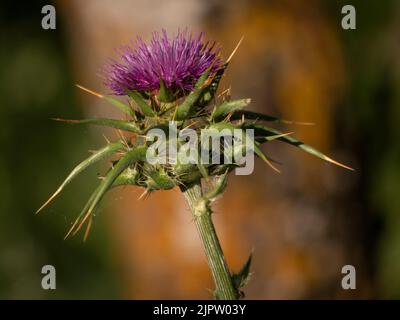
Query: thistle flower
{"type": "Point", "coordinates": [178, 62]}
{"type": "Point", "coordinates": [176, 80]}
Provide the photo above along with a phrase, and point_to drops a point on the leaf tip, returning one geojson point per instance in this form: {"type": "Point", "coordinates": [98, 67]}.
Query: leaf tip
{"type": "Point", "coordinates": [44, 205]}
{"type": "Point", "coordinates": [234, 50]}
{"type": "Point", "coordinates": [99, 95]}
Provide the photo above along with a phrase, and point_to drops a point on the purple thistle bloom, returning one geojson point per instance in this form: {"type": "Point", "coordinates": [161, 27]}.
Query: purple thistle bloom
{"type": "Point", "coordinates": [179, 62]}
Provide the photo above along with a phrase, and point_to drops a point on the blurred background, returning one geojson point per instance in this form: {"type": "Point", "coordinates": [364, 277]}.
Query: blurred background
{"type": "Point", "coordinates": [303, 224]}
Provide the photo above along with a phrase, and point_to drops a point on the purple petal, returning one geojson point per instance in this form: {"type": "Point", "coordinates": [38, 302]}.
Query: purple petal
{"type": "Point", "coordinates": [179, 62]}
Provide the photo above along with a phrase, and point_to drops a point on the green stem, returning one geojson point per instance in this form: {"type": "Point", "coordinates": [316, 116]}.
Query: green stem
{"type": "Point", "coordinates": [202, 217]}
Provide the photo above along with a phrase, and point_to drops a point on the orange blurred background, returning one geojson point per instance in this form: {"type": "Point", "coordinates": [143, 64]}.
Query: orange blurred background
{"type": "Point", "coordinates": [304, 224]}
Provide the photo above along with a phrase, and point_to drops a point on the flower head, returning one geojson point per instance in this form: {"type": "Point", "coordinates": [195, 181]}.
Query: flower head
{"type": "Point", "coordinates": [178, 62]}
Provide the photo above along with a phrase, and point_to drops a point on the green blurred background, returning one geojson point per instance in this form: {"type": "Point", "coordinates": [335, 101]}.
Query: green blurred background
{"type": "Point", "coordinates": [38, 71]}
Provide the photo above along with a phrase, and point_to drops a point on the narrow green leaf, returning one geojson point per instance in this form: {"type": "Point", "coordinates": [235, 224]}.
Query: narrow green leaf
{"type": "Point", "coordinates": [116, 103]}
{"type": "Point", "coordinates": [220, 183]}
{"type": "Point", "coordinates": [95, 157]}
{"type": "Point", "coordinates": [164, 94]}
{"type": "Point", "coordinates": [251, 115]}
{"type": "Point", "coordinates": [261, 130]}
{"type": "Point", "coordinates": [221, 111]}
{"type": "Point", "coordinates": [185, 108]}
{"type": "Point", "coordinates": [241, 278]}
{"type": "Point", "coordinates": [141, 103]}
{"type": "Point", "coordinates": [209, 93]}
{"type": "Point", "coordinates": [259, 153]}
{"type": "Point", "coordinates": [129, 158]}
{"type": "Point", "coordinates": [83, 211]}
{"type": "Point", "coordinates": [277, 136]}
{"type": "Point", "coordinates": [113, 123]}
{"type": "Point", "coordinates": [120, 105]}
